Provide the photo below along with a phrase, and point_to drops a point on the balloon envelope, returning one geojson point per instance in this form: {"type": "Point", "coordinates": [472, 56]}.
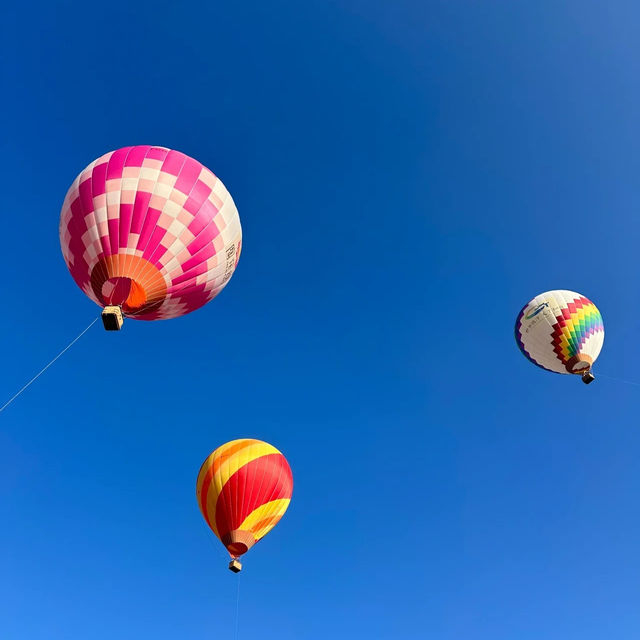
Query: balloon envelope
{"type": "Point", "coordinates": [151, 230]}
{"type": "Point", "coordinates": [243, 489]}
{"type": "Point", "coordinates": [561, 331]}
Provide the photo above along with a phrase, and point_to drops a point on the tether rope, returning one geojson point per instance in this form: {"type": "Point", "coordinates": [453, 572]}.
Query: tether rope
{"type": "Point", "coordinates": [237, 607]}
{"type": "Point", "coordinates": [26, 386]}
{"type": "Point", "coordinates": [602, 375]}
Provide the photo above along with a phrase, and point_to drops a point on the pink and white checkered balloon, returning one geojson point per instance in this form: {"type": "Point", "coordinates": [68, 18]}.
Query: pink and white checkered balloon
{"type": "Point", "coordinates": [151, 230]}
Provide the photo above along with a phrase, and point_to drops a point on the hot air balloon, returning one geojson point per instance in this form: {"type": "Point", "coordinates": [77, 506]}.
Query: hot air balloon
{"type": "Point", "coordinates": [561, 331]}
{"type": "Point", "coordinates": [243, 489]}
{"type": "Point", "coordinates": [149, 233]}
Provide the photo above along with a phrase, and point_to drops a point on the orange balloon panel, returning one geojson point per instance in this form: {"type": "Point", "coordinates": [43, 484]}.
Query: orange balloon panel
{"type": "Point", "coordinates": [243, 489]}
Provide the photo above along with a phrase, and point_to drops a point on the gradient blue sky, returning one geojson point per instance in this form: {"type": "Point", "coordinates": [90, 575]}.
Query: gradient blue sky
{"type": "Point", "coordinates": [408, 174]}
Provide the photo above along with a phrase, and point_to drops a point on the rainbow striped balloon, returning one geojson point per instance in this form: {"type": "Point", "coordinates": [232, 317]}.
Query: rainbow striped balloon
{"type": "Point", "coordinates": [243, 489]}
{"type": "Point", "coordinates": [150, 230]}
{"type": "Point", "coordinates": [561, 331]}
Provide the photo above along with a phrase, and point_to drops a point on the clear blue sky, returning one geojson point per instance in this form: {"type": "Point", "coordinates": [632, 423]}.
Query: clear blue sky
{"type": "Point", "coordinates": [408, 174]}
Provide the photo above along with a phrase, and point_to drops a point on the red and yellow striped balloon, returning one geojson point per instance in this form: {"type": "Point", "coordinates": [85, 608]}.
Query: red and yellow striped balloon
{"type": "Point", "coordinates": [243, 489]}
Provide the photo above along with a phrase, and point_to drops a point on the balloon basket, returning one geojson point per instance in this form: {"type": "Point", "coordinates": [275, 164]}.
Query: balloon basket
{"type": "Point", "coordinates": [235, 566]}
{"type": "Point", "coordinates": [112, 318]}
{"type": "Point", "coordinates": [588, 377]}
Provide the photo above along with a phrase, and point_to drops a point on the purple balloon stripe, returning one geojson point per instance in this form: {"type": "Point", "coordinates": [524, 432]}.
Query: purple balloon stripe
{"type": "Point", "coordinates": [174, 162]}
{"type": "Point", "coordinates": [136, 156]}
{"type": "Point", "coordinates": [116, 163]}
{"type": "Point", "coordinates": [149, 226]}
